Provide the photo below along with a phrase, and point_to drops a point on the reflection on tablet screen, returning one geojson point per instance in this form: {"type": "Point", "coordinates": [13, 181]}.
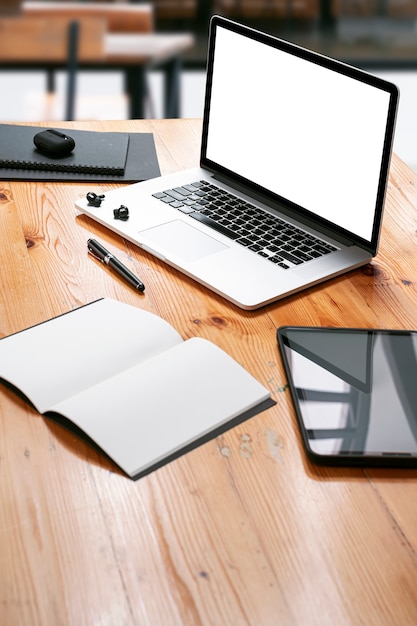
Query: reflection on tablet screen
{"type": "Point", "coordinates": [355, 393]}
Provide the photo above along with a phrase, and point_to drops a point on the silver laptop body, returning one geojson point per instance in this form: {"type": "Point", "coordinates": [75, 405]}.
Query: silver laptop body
{"type": "Point", "coordinates": [301, 142]}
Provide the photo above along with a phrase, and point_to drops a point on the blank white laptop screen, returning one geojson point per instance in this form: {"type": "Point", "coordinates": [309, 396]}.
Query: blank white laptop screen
{"type": "Point", "coordinates": [305, 133]}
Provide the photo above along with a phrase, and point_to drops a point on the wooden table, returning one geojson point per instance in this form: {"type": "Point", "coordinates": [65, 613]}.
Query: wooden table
{"type": "Point", "coordinates": [241, 531]}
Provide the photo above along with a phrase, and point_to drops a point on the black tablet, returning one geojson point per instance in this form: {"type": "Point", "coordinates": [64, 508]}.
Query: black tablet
{"type": "Point", "coordinates": [354, 392]}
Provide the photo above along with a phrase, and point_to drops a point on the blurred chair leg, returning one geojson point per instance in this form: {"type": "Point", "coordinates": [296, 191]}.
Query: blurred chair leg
{"type": "Point", "coordinates": [172, 72]}
{"type": "Point", "coordinates": [50, 81]}
{"type": "Point", "coordinates": [137, 89]}
{"type": "Point", "coordinates": [73, 38]}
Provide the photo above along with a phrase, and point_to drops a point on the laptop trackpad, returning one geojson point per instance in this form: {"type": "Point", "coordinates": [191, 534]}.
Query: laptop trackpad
{"type": "Point", "coordinates": [180, 240]}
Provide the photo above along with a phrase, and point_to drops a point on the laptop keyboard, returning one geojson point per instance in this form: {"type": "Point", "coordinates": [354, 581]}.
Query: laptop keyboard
{"type": "Point", "coordinates": [271, 237]}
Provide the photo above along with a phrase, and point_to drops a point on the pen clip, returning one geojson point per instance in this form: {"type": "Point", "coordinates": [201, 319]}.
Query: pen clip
{"type": "Point", "coordinates": [95, 255]}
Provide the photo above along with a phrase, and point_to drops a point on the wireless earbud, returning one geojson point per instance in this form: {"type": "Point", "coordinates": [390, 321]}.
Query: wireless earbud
{"type": "Point", "coordinates": [94, 199]}
{"type": "Point", "coordinates": [122, 213]}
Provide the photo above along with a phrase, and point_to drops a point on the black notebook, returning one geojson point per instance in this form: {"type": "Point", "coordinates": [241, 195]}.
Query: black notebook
{"type": "Point", "coordinates": [94, 152]}
{"type": "Point", "coordinates": [141, 164]}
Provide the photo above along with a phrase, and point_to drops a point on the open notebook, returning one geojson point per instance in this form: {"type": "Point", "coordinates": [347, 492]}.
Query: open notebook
{"type": "Point", "coordinates": [142, 394]}
{"type": "Point", "coordinates": [293, 172]}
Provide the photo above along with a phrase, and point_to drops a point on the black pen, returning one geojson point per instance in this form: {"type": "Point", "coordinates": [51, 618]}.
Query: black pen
{"type": "Point", "coordinates": [99, 252]}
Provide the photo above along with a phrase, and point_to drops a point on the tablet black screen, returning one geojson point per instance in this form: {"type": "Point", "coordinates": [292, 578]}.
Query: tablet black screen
{"type": "Point", "coordinates": [355, 393]}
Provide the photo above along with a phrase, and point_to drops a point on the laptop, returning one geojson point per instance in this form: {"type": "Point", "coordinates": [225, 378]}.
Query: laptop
{"type": "Point", "coordinates": [293, 172]}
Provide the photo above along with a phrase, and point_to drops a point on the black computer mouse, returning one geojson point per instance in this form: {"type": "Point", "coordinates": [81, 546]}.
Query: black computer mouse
{"type": "Point", "coordinates": [54, 143]}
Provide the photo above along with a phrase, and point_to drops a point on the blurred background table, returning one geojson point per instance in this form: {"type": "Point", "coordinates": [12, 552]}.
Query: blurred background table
{"type": "Point", "coordinates": [109, 36]}
{"type": "Point", "coordinates": [242, 530]}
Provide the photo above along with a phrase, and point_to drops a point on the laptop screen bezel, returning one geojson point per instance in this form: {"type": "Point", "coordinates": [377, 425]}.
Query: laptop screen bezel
{"type": "Point", "coordinates": [274, 200]}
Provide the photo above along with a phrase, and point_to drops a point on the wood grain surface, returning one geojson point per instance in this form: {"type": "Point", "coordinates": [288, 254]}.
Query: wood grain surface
{"type": "Point", "coordinates": [243, 530]}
